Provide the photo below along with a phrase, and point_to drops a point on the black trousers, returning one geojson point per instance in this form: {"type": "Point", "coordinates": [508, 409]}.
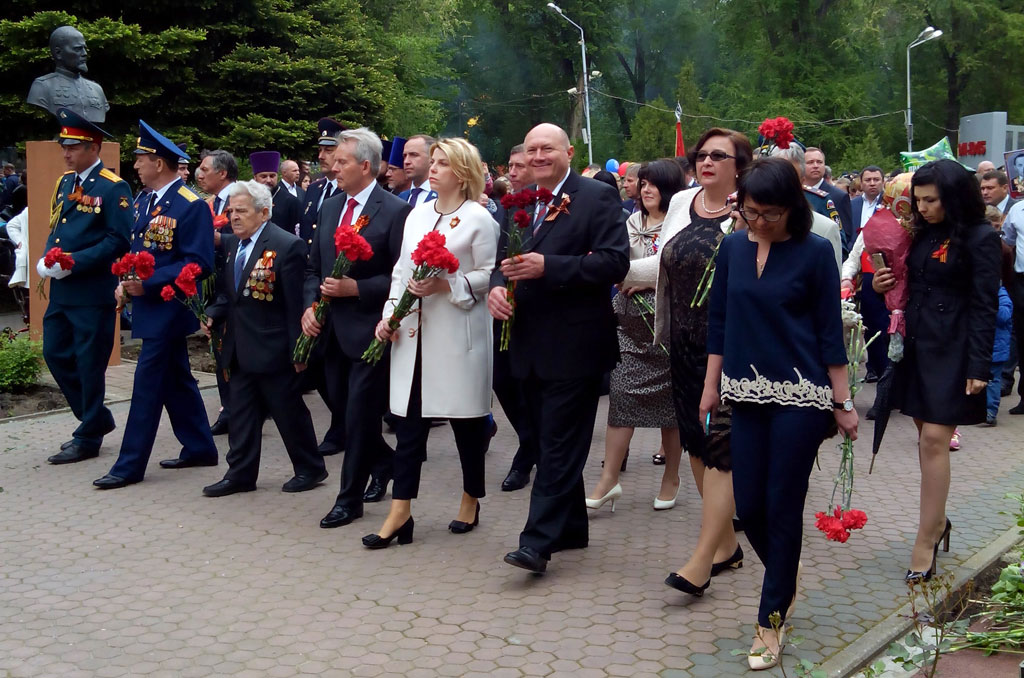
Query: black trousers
{"type": "Point", "coordinates": [773, 450]}
{"type": "Point", "coordinates": [315, 377]}
{"type": "Point", "coordinates": [364, 387]}
{"type": "Point", "coordinates": [509, 391]}
{"type": "Point", "coordinates": [562, 413]}
{"type": "Point", "coordinates": [77, 341]}
{"type": "Point", "coordinates": [472, 437]}
{"type": "Point", "coordinates": [252, 397]}
{"type": "Point", "coordinates": [876, 319]}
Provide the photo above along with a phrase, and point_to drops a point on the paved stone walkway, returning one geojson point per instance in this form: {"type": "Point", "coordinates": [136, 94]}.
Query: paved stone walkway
{"type": "Point", "coordinates": [157, 580]}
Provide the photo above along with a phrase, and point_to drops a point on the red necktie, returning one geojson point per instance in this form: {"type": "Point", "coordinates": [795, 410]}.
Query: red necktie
{"type": "Point", "coordinates": [346, 218]}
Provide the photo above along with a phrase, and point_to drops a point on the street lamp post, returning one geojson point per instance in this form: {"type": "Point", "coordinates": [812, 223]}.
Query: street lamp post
{"type": "Point", "coordinates": [930, 33]}
{"type": "Point", "coordinates": [586, 80]}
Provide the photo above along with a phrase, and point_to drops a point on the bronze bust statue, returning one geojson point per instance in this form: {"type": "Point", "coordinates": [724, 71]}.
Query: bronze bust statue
{"type": "Point", "coordinates": [66, 86]}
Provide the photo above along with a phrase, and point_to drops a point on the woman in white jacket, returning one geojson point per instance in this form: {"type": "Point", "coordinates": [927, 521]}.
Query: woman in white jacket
{"type": "Point", "coordinates": [441, 359]}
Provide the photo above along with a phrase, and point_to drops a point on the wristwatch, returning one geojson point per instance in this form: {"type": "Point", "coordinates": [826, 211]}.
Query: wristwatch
{"type": "Point", "coordinates": [846, 405]}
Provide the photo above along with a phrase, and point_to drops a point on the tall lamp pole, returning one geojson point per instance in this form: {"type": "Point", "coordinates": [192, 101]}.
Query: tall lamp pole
{"type": "Point", "coordinates": [586, 80]}
{"type": "Point", "coordinates": [924, 36]}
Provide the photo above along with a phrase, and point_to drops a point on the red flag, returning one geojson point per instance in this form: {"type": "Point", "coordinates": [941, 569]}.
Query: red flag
{"type": "Point", "coordinates": [680, 146]}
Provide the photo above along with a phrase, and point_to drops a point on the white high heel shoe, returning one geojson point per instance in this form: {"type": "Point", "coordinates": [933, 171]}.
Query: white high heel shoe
{"type": "Point", "coordinates": [665, 504]}
{"type": "Point", "coordinates": [612, 495]}
{"type": "Point", "coordinates": [765, 659]}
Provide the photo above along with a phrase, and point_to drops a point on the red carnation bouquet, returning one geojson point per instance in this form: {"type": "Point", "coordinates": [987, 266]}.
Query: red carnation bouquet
{"type": "Point", "coordinates": [55, 255]}
{"type": "Point", "coordinates": [432, 259]}
{"type": "Point", "coordinates": [776, 132]}
{"type": "Point", "coordinates": [523, 201]}
{"type": "Point", "coordinates": [195, 300]}
{"type": "Point", "coordinates": [133, 267]}
{"type": "Point", "coordinates": [351, 247]}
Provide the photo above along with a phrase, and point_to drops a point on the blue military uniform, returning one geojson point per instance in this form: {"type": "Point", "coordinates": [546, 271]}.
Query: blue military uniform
{"type": "Point", "coordinates": [175, 226]}
{"type": "Point", "coordinates": [823, 204]}
{"type": "Point", "coordinates": [90, 219]}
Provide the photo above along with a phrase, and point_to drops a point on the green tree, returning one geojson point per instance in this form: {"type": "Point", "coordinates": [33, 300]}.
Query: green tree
{"type": "Point", "coordinates": [652, 134]}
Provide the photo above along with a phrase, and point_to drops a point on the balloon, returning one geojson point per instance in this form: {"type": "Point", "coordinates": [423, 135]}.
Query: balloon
{"type": "Point", "coordinates": [940, 151]}
{"type": "Point", "coordinates": [612, 165]}
{"type": "Point", "coordinates": [622, 168]}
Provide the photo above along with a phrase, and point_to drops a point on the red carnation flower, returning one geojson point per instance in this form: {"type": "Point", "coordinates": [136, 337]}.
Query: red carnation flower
{"type": "Point", "coordinates": [352, 245]}
{"type": "Point", "coordinates": [521, 218]}
{"type": "Point", "coordinates": [144, 265]}
{"type": "Point", "coordinates": [186, 280]}
{"type": "Point", "coordinates": [508, 201]}
{"type": "Point", "coordinates": [544, 195]}
{"type": "Point", "coordinates": [854, 519]}
{"type": "Point", "coordinates": [58, 256]}
{"type": "Point", "coordinates": [167, 293]}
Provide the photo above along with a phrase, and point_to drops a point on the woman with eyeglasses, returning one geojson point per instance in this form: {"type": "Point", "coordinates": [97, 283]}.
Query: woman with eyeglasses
{"type": "Point", "coordinates": [694, 224]}
{"type": "Point", "coordinates": [776, 354]}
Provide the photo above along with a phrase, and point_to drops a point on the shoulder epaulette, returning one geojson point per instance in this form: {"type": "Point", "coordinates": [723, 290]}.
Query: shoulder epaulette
{"type": "Point", "coordinates": [816, 191]}
{"type": "Point", "coordinates": [184, 192]}
{"type": "Point", "coordinates": [109, 176]}
{"type": "Point", "coordinates": [69, 172]}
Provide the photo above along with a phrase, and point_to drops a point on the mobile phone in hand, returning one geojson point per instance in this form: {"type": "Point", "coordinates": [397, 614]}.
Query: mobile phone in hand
{"type": "Point", "coordinates": [878, 261]}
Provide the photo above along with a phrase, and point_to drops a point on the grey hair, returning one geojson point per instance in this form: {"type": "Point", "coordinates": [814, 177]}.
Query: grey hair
{"type": "Point", "coordinates": [794, 154]}
{"type": "Point", "coordinates": [368, 146]}
{"type": "Point", "coordinates": [632, 168]}
{"type": "Point", "coordinates": [259, 193]}
{"type": "Point", "coordinates": [222, 161]}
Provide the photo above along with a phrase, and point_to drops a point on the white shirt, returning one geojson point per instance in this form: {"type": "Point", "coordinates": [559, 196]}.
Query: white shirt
{"type": "Point", "coordinates": [818, 185]}
{"type": "Point", "coordinates": [249, 248]}
{"type": "Point", "coordinates": [82, 176]}
{"type": "Point", "coordinates": [333, 183]}
{"type": "Point", "coordinates": [554, 193]}
{"type": "Point", "coordinates": [361, 198]}
{"type": "Point", "coordinates": [290, 188]}
{"type": "Point", "coordinates": [1002, 204]}
{"type": "Point", "coordinates": [1013, 233]}
{"type": "Point", "coordinates": [868, 209]}
{"type": "Point", "coordinates": [224, 194]}
{"type": "Point", "coordinates": [422, 196]}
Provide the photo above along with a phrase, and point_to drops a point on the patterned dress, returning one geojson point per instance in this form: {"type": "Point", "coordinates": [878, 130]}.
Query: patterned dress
{"type": "Point", "coordinates": [640, 394]}
{"type": "Point", "coordinates": [683, 261]}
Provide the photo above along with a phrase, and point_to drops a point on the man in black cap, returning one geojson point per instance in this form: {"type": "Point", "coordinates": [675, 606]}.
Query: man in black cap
{"type": "Point", "coordinates": [327, 185]}
{"type": "Point", "coordinates": [174, 225]}
{"type": "Point", "coordinates": [90, 220]}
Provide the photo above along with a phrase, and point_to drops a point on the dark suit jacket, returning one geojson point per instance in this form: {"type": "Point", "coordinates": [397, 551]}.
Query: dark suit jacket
{"type": "Point", "coordinates": [353, 319]}
{"type": "Point", "coordinates": [564, 327]}
{"type": "Point", "coordinates": [191, 242]}
{"type": "Point", "coordinates": [856, 207]}
{"type": "Point", "coordinates": [93, 240]}
{"type": "Point", "coordinates": [287, 210]}
{"type": "Point", "coordinates": [260, 334]}
{"type": "Point", "coordinates": [842, 200]}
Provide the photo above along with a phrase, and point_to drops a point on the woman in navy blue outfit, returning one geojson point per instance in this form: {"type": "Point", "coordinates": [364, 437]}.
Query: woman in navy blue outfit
{"type": "Point", "coordinates": [953, 273]}
{"type": "Point", "coordinates": [776, 353]}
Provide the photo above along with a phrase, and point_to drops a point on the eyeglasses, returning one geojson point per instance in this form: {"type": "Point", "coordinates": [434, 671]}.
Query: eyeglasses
{"type": "Point", "coordinates": [750, 215]}
{"type": "Point", "coordinates": [717, 156]}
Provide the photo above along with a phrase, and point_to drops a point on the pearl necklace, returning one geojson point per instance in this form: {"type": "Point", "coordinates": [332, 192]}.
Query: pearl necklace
{"type": "Point", "coordinates": [710, 211]}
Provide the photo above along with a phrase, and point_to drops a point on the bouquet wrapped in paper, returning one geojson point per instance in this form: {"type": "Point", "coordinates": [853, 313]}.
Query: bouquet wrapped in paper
{"type": "Point", "coordinates": [888, 232]}
{"type": "Point", "coordinates": [432, 259]}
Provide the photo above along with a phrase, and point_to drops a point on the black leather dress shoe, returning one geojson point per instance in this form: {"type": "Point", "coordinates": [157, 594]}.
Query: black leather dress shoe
{"type": "Point", "coordinates": [185, 463]}
{"type": "Point", "coordinates": [219, 427]}
{"type": "Point", "coordinates": [515, 480]}
{"type": "Point", "coordinates": [528, 559]}
{"type": "Point", "coordinates": [870, 377]}
{"type": "Point", "coordinates": [226, 487]}
{"type": "Point", "coordinates": [377, 489]}
{"type": "Point", "coordinates": [68, 444]}
{"type": "Point", "coordinates": [73, 453]}
{"type": "Point", "coordinates": [303, 483]}
{"type": "Point", "coordinates": [340, 515]}
{"type": "Point", "coordinates": [1019, 409]}
{"type": "Point", "coordinates": [328, 448]}
{"type": "Point", "coordinates": [109, 482]}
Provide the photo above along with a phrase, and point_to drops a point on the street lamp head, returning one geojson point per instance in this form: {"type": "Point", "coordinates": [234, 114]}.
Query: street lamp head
{"type": "Point", "coordinates": [926, 33]}
{"type": "Point", "coordinates": [554, 8]}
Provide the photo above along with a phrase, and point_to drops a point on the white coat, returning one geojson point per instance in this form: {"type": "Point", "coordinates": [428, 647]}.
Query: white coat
{"type": "Point", "coordinates": [455, 329]}
{"type": "Point", "coordinates": [17, 231]}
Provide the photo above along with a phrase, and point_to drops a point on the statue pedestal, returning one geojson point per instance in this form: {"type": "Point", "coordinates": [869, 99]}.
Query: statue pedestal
{"type": "Point", "coordinates": [45, 165]}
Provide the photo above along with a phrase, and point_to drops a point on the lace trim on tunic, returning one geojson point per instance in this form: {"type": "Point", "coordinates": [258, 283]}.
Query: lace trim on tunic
{"type": "Point", "coordinates": [760, 389]}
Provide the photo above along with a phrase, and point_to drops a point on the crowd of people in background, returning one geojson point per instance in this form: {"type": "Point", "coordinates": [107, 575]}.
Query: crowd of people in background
{"type": "Point", "coordinates": [609, 294]}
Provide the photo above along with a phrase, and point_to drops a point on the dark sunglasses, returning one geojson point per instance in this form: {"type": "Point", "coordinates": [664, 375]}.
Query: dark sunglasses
{"type": "Point", "coordinates": [717, 156]}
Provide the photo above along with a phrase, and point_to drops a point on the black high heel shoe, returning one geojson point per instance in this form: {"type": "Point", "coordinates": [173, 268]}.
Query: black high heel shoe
{"type": "Point", "coordinates": [734, 562]}
{"type": "Point", "coordinates": [918, 577]}
{"type": "Point", "coordinates": [681, 583]}
{"type": "Point", "coordinates": [460, 527]}
{"type": "Point", "coordinates": [404, 535]}
{"type": "Point", "coordinates": [944, 538]}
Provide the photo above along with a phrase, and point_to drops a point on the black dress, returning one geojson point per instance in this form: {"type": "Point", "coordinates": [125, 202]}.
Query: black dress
{"type": "Point", "coordinates": [683, 260]}
{"type": "Point", "coordinates": [951, 319]}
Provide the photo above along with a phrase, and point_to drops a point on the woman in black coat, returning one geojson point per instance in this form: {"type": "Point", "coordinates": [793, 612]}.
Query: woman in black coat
{"type": "Point", "coordinates": [953, 272]}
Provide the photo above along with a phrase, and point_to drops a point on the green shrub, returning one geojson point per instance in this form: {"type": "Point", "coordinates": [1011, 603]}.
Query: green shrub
{"type": "Point", "coordinates": [21, 361]}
